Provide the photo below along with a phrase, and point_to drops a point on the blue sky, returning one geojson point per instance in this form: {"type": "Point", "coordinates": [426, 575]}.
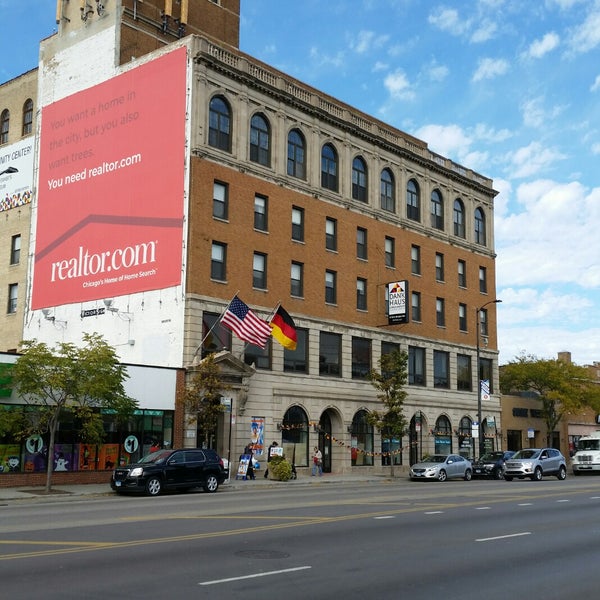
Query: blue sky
{"type": "Point", "coordinates": [509, 88]}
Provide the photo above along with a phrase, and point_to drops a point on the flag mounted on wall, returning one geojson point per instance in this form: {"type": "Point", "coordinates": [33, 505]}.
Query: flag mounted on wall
{"type": "Point", "coordinates": [245, 324]}
{"type": "Point", "coordinates": [284, 329]}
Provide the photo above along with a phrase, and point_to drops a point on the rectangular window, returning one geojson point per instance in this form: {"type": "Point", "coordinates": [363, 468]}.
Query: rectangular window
{"type": "Point", "coordinates": [296, 361]}
{"type": "Point", "coordinates": [483, 280]}
{"type": "Point", "coordinates": [331, 234]}
{"type": "Point", "coordinates": [259, 357]}
{"type": "Point", "coordinates": [390, 252]}
{"type": "Point", "coordinates": [13, 295]}
{"type": "Point", "coordinates": [297, 279]}
{"type": "Point", "coordinates": [415, 260]}
{"type": "Point", "coordinates": [330, 354]}
{"type": "Point", "coordinates": [298, 224]}
{"type": "Point", "coordinates": [485, 373]}
{"type": "Point", "coordinates": [389, 347]}
{"type": "Point", "coordinates": [261, 213]}
{"type": "Point", "coordinates": [361, 243]}
{"type": "Point", "coordinates": [463, 373]}
{"type": "Point", "coordinates": [218, 261]}
{"type": "Point", "coordinates": [361, 294]}
{"type": "Point", "coordinates": [462, 274]}
{"type": "Point", "coordinates": [220, 200]}
{"type": "Point", "coordinates": [361, 357]}
{"type": "Point", "coordinates": [440, 312]}
{"type": "Point", "coordinates": [416, 365]}
{"type": "Point", "coordinates": [15, 249]}
{"type": "Point", "coordinates": [330, 287]}
{"type": "Point", "coordinates": [259, 271]}
{"type": "Point", "coordinates": [439, 266]}
{"type": "Point", "coordinates": [441, 377]}
{"type": "Point", "coordinates": [462, 317]}
{"type": "Point", "coordinates": [483, 322]}
{"type": "Point", "coordinates": [415, 306]}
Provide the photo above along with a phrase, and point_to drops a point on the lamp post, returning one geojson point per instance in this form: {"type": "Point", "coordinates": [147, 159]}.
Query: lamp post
{"type": "Point", "coordinates": [478, 325]}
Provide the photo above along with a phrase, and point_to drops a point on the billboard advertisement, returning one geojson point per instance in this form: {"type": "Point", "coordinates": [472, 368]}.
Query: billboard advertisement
{"type": "Point", "coordinates": [111, 187]}
{"type": "Point", "coordinates": [16, 173]}
{"type": "Point", "coordinates": [397, 293]}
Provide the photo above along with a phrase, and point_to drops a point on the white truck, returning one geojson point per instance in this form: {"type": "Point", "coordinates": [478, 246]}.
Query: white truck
{"type": "Point", "coordinates": [587, 457]}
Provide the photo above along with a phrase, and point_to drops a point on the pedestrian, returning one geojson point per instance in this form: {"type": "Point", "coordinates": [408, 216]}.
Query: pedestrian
{"type": "Point", "coordinates": [249, 451]}
{"type": "Point", "coordinates": [269, 453]}
{"type": "Point", "coordinates": [317, 462]}
{"type": "Point", "coordinates": [155, 446]}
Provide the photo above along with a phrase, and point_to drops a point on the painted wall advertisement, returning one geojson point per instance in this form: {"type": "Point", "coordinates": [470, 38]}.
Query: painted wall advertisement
{"type": "Point", "coordinates": [111, 185]}
{"type": "Point", "coordinates": [16, 174]}
{"type": "Point", "coordinates": [397, 302]}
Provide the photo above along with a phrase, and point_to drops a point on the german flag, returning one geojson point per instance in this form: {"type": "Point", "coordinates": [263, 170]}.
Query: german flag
{"type": "Point", "coordinates": [284, 329]}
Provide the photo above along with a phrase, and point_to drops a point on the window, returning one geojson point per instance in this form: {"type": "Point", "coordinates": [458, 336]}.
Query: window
{"type": "Point", "coordinates": [28, 116]}
{"type": "Point", "coordinates": [261, 213]}
{"type": "Point", "coordinates": [415, 260]}
{"type": "Point", "coordinates": [331, 234]}
{"type": "Point", "coordinates": [482, 315]}
{"type": "Point", "coordinates": [329, 168]}
{"type": "Point", "coordinates": [462, 317]}
{"type": "Point", "coordinates": [386, 191]}
{"type": "Point", "coordinates": [330, 287]}
{"type": "Point", "coordinates": [361, 243]}
{"type": "Point", "coordinates": [480, 227]}
{"type": "Point", "coordinates": [361, 294]}
{"type": "Point", "coordinates": [219, 127]}
{"type": "Point", "coordinates": [459, 218]}
{"type": "Point", "coordinates": [296, 160]}
{"type": "Point", "coordinates": [15, 249]}
{"type": "Point", "coordinates": [259, 357]}
{"type": "Point", "coordinates": [413, 209]}
{"type": "Point", "coordinates": [330, 354]}
{"type": "Point", "coordinates": [485, 373]}
{"type": "Point", "coordinates": [437, 210]}
{"type": "Point", "coordinates": [462, 274]}
{"type": "Point", "coordinates": [359, 179]}
{"type": "Point", "coordinates": [362, 440]}
{"type": "Point", "coordinates": [416, 365]}
{"type": "Point", "coordinates": [297, 280]}
{"type": "Point", "coordinates": [439, 266]}
{"type": "Point", "coordinates": [415, 306]}
{"type": "Point", "coordinates": [296, 361]}
{"type": "Point", "coordinates": [298, 224]}
{"type": "Point", "coordinates": [361, 357]}
{"type": "Point", "coordinates": [259, 271]}
{"type": "Point", "coordinates": [215, 337]}
{"type": "Point", "coordinates": [389, 348]}
{"type": "Point", "coordinates": [390, 252]}
{"type": "Point", "coordinates": [13, 294]}
{"type": "Point", "coordinates": [4, 126]}
{"type": "Point", "coordinates": [463, 373]}
{"type": "Point", "coordinates": [483, 280]}
{"type": "Point", "coordinates": [260, 147]}
{"type": "Point", "coordinates": [220, 201]}
{"type": "Point", "coordinates": [218, 261]}
{"type": "Point", "coordinates": [440, 312]}
{"type": "Point", "coordinates": [440, 369]}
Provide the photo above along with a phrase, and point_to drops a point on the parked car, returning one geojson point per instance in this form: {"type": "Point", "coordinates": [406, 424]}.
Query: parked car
{"type": "Point", "coordinates": [442, 467]}
{"type": "Point", "coordinates": [535, 463]}
{"type": "Point", "coordinates": [171, 470]}
{"type": "Point", "coordinates": [491, 464]}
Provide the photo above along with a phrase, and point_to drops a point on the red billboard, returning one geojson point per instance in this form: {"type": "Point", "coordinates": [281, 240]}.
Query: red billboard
{"type": "Point", "coordinates": [111, 187]}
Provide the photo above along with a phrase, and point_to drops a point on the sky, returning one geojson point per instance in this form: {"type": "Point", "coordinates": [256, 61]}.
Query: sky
{"type": "Point", "coordinates": [508, 88]}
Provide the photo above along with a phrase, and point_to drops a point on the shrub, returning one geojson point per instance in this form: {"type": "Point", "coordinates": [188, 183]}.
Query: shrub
{"type": "Point", "coordinates": [280, 468]}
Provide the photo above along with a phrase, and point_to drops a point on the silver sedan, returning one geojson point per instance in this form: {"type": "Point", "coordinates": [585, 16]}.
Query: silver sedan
{"type": "Point", "coordinates": [442, 467]}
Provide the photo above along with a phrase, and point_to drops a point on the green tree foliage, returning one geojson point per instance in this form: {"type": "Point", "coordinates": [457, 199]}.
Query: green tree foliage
{"type": "Point", "coordinates": [70, 379]}
{"type": "Point", "coordinates": [561, 387]}
{"type": "Point", "coordinates": [202, 398]}
{"type": "Point", "coordinates": [390, 382]}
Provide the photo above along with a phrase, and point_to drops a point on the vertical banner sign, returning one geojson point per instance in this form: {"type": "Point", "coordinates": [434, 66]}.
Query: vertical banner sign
{"type": "Point", "coordinates": [397, 302]}
{"type": "Point", "coordinates": [485, 390]}
{"type": "Point", "coordinates": [111, 183]}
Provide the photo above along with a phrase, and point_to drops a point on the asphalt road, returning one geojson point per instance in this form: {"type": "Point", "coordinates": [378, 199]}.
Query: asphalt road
{"type": "Point", "coordinates": [423, 540]}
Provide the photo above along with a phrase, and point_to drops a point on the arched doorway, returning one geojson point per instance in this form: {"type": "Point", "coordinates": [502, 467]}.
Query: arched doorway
{"type": "Point", "coordinates": [415, 437]}
{"type": "Point", "coordinates": [465, 438]}
{"type": "Point", "coordinates": [294, 436]}
{"type": "Point", "coordinates": [325, 440]}
{"type": "Point", "coordinates": [361, 440]}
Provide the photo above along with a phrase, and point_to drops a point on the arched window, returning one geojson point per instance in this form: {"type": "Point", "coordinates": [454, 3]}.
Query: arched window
{"type": "Point", "coordinates": [359, 179]}
{"type": "Point", "coordinates": [480, 237]}
{"type": "Point", "coordinates": [296, 155]}
{"type": "Point", "coordinates": [294, 436]}
{"type": "Point", "coordinates": [437, 210]}
{"type": "Point", "coordinates": [387, 191]}
{"type": "Point", "coordinates": [465, 439]}
{"type": "Point", "coordinates": [443, 435]}
{"type": "Point", "coordinates": [28, 116]}
{"type": "Point", "coordinates": [362, 440]}
{"type": "Point", "coordinates": [459, 218]}
{"type": "Point", "coordinates": [329, 168]}
{"type": "Point", "coordinates": [219, 127]}
{"type": "Point", "coordinates": [4, 123]}
{"type": "Point", "coordinates": [413, 204]}
{"type": "Point", "coordinates": [260, 146]}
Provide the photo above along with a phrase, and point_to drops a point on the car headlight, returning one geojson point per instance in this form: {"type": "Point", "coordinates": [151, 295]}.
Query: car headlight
{"type": "Point", "coordinates": [431, 469]}
{"type": "Point", "coordinates": [527, 465]}
{"type": "Point", "coordinates": [136, 472]}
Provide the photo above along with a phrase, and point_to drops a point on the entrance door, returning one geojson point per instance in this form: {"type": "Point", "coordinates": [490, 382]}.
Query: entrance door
{"type": "Point", "coordinates": [325, 441]}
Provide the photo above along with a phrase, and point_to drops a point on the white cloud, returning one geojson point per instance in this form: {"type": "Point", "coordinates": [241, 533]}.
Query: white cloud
{"type": "Point", "coordinates": [367, 41]}
{"type": "Point", "coordinates": [337, 60]}
{"type": "Point", "coordinates": [438, 72]}
{"type": "Point", "coordinates": [596, 85]}
{"type": "Point", "coordinates": [536, 115]}
{"type": "Point", "coordinates": [596, 148]}
{"type": "Point", "coordinates": [379, 66]}
{"type": "Point", "coordinates": [484, 32]}
{"type": "Point", "coordinates": [529, 160]}
{"type": "Point", "coordinates": [539, 48]}
{"type": "Point", "coordinates": [586, 36]}
{"type": "Point", "coordinates": [447, 140]}
{"type": "Point", "coordinates": [399, 86]}
{"type": "Point", "coordinates": [447, 19]}
{"type": "Point", "coordinates": [488, 68]}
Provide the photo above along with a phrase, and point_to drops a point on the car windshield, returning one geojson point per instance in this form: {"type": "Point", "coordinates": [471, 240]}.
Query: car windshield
{"type": "Point", "coordinates": [526, 454]}
{"type": "Point", "coordinates": [588, 445]}
{"type": "Point", "coordinates": [492, 456]}
{"type": "Point", "coordinates": [436, 458]}
{"type": "Point", "coordinates": [156, 457]}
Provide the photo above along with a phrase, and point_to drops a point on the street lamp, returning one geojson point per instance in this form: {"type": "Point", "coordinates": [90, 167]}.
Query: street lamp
{"type": "Point", "coordinates": [478, 325]}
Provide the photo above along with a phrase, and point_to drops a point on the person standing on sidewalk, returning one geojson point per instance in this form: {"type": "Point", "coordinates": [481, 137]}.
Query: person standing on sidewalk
{"type": "Point", "coordinates": [317, 462]}
{"type": "Point", "coordinates": [269, 454]}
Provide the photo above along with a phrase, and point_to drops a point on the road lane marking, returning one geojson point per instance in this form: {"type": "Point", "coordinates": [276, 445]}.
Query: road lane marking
{"type": "Point", "coordinates": [565, 500]}
{"type": "Point", "coordinates": [242, 577]}
{"type": "Point", "coordinates": [385, 517]}
{"type": "Point", "coordinates": [483, 508]}
{"type": "Point", "coordinates": [525, 504]}
{"type": "Point", "coordinates": [503, 537]}
{"type": "Point", "coordinates": [434, 512]}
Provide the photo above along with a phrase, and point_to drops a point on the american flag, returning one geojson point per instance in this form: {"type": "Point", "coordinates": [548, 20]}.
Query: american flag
{"type": "Point", "coordinates": [245, 324]}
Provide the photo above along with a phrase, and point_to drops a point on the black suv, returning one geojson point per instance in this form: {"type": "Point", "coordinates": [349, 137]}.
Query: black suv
{"type": "Point", "coordinates": [171, 470]}
{"type": "Point", "coordinates": [491, 465]}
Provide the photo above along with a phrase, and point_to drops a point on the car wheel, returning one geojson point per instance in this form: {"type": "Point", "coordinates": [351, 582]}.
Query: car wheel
{"type": "Point", "coordinates": [508, 478]}
{"type": "Point", "coordinates": [153, 486]}
{"type": "Point", "coordinates": [468, 475]}
{"type": "Point", "coordinates": [537, 474]}
{"type": "Point", "coordinates": [212, 484]}
{"type": "Point", "coordinates": [442, 476]}
{"type": "Point", "coordinates": [562, 474]}
{"type": "Point", "coordinates": [497, 474]}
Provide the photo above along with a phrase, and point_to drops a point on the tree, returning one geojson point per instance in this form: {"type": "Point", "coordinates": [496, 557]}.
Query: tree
{"type": "Point", "coordinates": [70, 379]}
{"type": "Point", "coordinates": [560, 386]}
{"type": "Point", "coordinates": [390, 381]}
{"type": "Point", "coordinates": [202, 398]}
